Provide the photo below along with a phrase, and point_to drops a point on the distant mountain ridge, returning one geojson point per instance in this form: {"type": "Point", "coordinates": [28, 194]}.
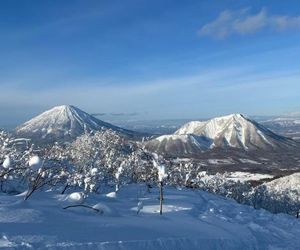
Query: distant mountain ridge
{"type": "Point", "coordinates": [233, 131]}
{"type": "Point", "coordinates": [63, 123]}
{"type": "Point", "coordinates": [287, 126]}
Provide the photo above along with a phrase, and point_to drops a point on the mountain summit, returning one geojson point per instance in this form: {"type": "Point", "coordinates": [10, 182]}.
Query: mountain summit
{"type": "Point", "coordinates": [234, 131]}
{"type": "Point", "coordinates": [63, 123]}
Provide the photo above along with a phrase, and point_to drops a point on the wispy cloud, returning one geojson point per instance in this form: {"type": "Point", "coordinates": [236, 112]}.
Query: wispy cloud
{"type": "Point", "coordinates": [169, 97]}
{"type": "Point", "coordinates": [243, 22]}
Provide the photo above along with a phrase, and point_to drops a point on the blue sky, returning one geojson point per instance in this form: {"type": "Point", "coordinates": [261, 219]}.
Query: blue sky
{"type": "Point", "coordinates": [149, 59]}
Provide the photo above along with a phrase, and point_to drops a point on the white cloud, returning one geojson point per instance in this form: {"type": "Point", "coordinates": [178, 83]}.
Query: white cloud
{"type": "Point", "coordinates": [242, 22]}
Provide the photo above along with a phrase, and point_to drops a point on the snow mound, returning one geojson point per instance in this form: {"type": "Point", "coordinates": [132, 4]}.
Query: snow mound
{"type": "Point", "coordinates": [35, 162]}
{"type": "Point", "coordinates": [7, 162]}
{"type": "Point", "coordinates": [103, 208]}
{"type": "Point", "coordinates": [111, 195]}
{"type": "Point", "coordinates": [76, 197]}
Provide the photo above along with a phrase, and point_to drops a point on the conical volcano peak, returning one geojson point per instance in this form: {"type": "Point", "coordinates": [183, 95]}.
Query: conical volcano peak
{"type": "Point", "coordinates": [62, 123]}
{"type": "Point", "coordinates": [64, 108]}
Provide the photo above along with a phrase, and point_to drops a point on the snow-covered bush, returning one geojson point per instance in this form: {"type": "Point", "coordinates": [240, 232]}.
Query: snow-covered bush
{"type": "Point", "coordinates": [100, 158]}
{"type": "Point", "coordinates": [142, 166]}
{"type": "Point", "coordinates": [190, 174]}
{"type": "Point", "coordinates": [14, 154]}
{"type": "Point", "coordinates": [23, 166]}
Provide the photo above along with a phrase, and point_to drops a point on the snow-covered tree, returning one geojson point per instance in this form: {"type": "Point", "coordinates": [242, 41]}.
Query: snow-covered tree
{"type": "Point", "coordinates": [14, 154]}
{"type": "Point", "coordinates": [161, 172]}
{"type": "Point", "coordinates": [100, 158]}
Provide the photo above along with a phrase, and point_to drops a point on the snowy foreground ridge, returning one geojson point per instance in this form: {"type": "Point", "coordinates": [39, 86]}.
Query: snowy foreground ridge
{"type": "Point", "coordinates": [192, 219]}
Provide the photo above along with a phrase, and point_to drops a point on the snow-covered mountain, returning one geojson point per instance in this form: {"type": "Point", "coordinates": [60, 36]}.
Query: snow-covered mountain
{"type": "Point", "coordinates": [234, 131]}
{"type": "Point", "coordinates": [63, 123]}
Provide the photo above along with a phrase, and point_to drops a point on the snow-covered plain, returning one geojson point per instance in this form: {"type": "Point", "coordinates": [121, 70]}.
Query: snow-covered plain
{"type": "Point", "coordinates": [220, 161]}
{"type": "Point", "coordinates": [246, 176]}
{"type": "Point", "coordinates": [192, 219]}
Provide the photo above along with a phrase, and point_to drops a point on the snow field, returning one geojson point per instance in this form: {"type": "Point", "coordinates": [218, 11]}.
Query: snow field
{"type": "Point", "coordinates": [190, 220]}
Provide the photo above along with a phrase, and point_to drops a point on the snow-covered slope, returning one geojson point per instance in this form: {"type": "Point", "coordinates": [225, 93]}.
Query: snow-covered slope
{"type": "Point", "coordinates": [280, 195]}
{"type": "Point", "coordinates": [284, 185]}
{"type": "Point", "coordinates": [191, 220]}
{"type": "Point", "coordinates": [63, 123]}
{"type": "Point", "coordinates": [235, 131]}
{"type": "Point", "coordinates": [179, 144]}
